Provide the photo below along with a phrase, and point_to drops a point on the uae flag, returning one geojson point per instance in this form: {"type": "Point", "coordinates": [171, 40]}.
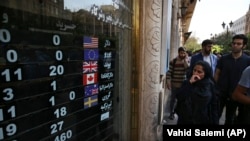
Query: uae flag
{"type": "Point", "coordinates": [90, 42]}
{"type": "Point", "coordinates": [89, 78]}
{"type": "Point", "coordinates": [89, 66]}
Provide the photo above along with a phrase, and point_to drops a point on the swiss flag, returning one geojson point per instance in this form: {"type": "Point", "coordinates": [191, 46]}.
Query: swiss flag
{"type": "Point", "coordinates": [89, 78]}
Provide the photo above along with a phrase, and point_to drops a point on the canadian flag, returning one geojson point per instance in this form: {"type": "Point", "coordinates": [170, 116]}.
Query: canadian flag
{"type": "Point", "coordinates": [89, 78]}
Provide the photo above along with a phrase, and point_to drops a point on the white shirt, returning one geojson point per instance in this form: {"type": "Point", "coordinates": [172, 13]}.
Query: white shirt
{"type": "Point", "coordinates": [207, 59]}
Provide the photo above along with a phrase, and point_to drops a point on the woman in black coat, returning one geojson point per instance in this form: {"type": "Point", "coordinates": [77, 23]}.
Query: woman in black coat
{"type": "Point", "coordinates": [197, 101]}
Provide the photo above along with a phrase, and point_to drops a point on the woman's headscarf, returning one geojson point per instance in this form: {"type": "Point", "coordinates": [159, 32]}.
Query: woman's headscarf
{"type": "Point", "coordinates": [207, 69]}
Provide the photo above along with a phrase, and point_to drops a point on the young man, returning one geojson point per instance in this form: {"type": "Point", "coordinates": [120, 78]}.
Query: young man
{"type": "Point", "coordinates": [228, 72]}
{"type": "Point", "coordinates": [175, 76]}
{"type": "Point", "coordinates": [242, 95]}
{"type": "Point", "coordinates": [205, 55]}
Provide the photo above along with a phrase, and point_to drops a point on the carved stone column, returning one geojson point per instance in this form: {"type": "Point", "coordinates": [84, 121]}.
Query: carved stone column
{"type": "Point", "coordinates": [150, 45]}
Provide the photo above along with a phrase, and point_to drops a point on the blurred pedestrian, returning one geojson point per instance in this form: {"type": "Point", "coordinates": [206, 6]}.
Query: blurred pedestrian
{"type": "Point", "coordinates": [175, 76]}
{"type": "Point", "coordinates": [218, 54]}
{"type": "Point", "coordinates": [242, 95]}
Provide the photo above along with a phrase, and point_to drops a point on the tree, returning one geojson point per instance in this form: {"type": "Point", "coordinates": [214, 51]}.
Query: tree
{"type": "Point", "coordinates": [224, 41]}
{"type": "Point", "coordinates": [192, 44]}
{"type": "Point", "coordinates": [216, 48]}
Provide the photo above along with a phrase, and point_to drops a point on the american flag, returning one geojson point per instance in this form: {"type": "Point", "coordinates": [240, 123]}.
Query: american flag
{"type": "Point", "coordinates": [90, 42]}
{"type": "Point", "coordinates": [89, 66]}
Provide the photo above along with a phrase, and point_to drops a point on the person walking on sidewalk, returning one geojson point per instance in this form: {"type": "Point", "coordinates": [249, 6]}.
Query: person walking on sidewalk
{"type": "Point", "coordinates": [175, 76]}
{"type": "Point", "coordinates": [197, 99]}
{"type": "Point", "coordinates": [242, 95]}
{"type": "Point", "coordinates": [228, 72]}
{"type": "Point", "coordinates": [205, 55]}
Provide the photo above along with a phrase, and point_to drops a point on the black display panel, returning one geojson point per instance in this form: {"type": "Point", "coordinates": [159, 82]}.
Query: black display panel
{"type": "Point", "coordinates": [57, 80]}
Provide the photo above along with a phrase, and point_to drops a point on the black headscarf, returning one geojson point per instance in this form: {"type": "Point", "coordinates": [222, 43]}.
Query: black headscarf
{"type": "Point", "coordinates": [207, 69]}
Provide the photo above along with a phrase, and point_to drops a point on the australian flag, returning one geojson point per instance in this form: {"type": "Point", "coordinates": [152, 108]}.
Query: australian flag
{"type": "Point", "coordinates": [90, 101]}
{"type": "Point", "coordinates": [89, 66]}
{"type": "Point", "coordinates": [90, 42]}
{"type": "Point", "coordinates": [91, 90]}
{"type": "Point", "coordinates": [91, 54]}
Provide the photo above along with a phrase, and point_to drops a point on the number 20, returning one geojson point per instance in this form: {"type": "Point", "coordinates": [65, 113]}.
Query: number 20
{"type": "Point", "coordinates": [56, 70]}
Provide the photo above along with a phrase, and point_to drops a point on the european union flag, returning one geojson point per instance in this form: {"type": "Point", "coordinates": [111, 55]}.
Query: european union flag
{"type": "Point", "coordinates": [90, 101]}
{"type": "Point", "coordinates": [91, 54]}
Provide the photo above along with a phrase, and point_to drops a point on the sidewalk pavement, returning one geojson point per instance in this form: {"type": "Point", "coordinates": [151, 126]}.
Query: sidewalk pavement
{"type": "Point", "coordinates": [168, 121]}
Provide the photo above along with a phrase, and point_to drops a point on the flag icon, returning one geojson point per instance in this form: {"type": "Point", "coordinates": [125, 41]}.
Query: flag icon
{"type": "Point", "coordinates": [91, 54]}
{"type": "Point", "coordinates": [90, 101]}
{"type": "Point", "coordinates": [89, 66]}
{"type": "Point", "coordinates": [104, 116]}
{"type": "Point", "coordinates": [90, 42]}
{"type": "Point", "coordinates": [91, 90]}
{"type": "Point", "coordinates": [89, 78]}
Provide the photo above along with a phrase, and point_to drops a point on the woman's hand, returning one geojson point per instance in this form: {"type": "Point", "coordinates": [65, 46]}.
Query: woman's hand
{"type": "Point", "coordinates": [194, 78]}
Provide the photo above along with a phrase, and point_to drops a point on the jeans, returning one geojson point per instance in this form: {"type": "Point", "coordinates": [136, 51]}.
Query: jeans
{"type": "Point", "coordinates": [173, 100]}
{"type": "Point", "coordinates": [231, 109]}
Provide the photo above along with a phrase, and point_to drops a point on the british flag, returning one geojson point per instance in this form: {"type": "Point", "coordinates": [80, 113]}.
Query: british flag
{"type": "Point", "coordinates": [89, 66]}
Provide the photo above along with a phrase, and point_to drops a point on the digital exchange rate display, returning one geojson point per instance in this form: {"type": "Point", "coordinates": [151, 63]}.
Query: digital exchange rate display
{"type": "Point", "coordinates": [54, 85]}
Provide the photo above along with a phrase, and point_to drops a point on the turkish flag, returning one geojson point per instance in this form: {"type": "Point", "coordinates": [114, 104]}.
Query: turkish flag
{"type": "Point", "coordinates": [89, 78]}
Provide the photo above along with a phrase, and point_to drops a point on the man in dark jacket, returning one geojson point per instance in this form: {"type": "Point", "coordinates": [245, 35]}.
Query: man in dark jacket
{"type": "Point", "coordinates": [205, 55]}
{"type": "Point", "coordinates": [228, 72]}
